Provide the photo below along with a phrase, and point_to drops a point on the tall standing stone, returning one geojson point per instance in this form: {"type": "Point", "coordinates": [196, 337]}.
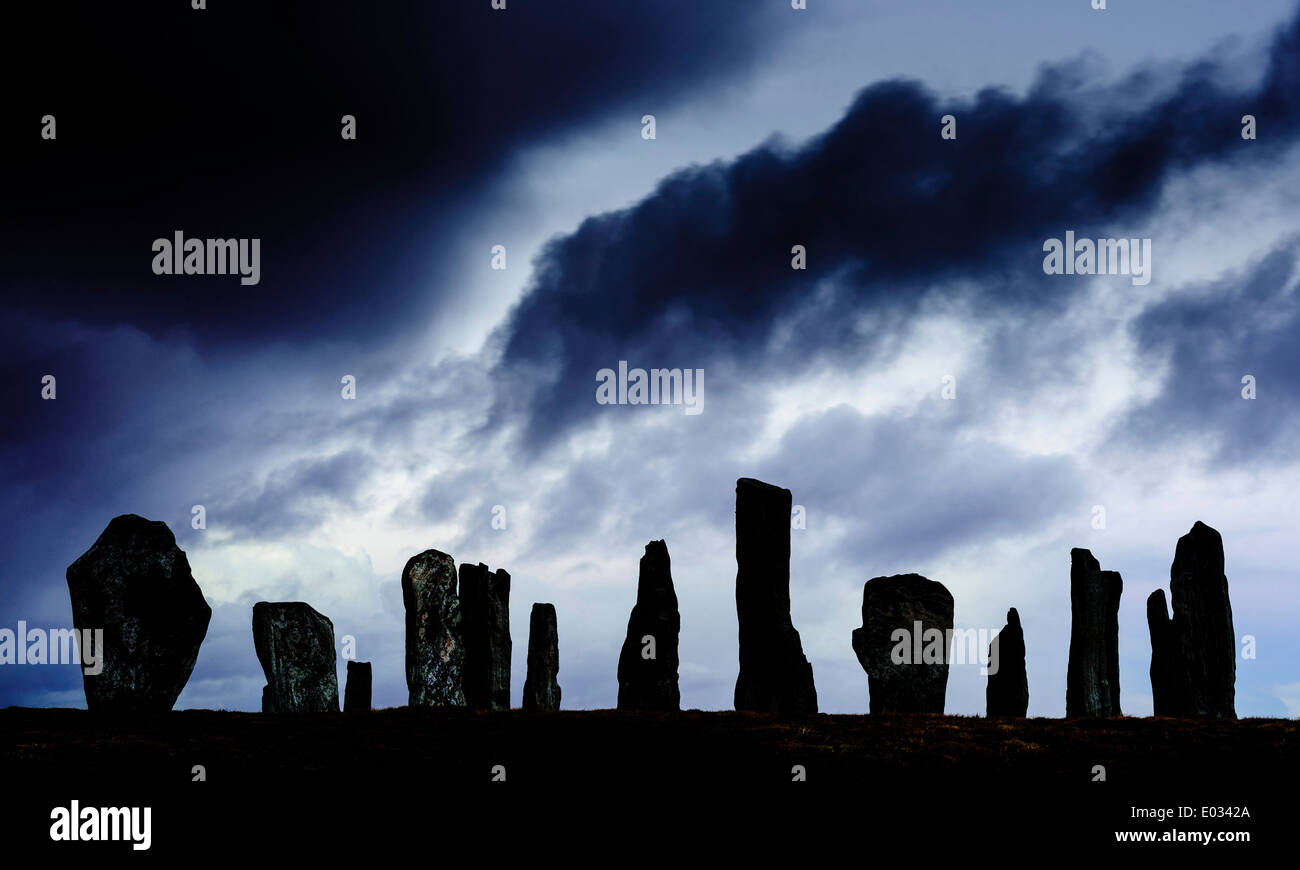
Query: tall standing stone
{"type": "Point", "coordinates": [923, 608]}
{"type": "Point", "coordinates": [774, 675]}
{"type": "Point", "coordinates": [356, 696]}
{"type": "Point", "coordinates": [434, 654]}
{"type": "Point", "coordinates": [1092, 678]}
{"type": "Point", "coordinates": [485, 629]}
{"type": "Point", "coordinates": [647, 666]}
{"type": "Point", "coordinates": [135, 584]}
{"type": "Point", "coordinates": [1008, 688]}
{"type": "Point", "coordinates": [295, 645]}
{"type": "Point", "coordinates": [541, 691]}
{"type": "Point", "coordinates": [1194, 654]}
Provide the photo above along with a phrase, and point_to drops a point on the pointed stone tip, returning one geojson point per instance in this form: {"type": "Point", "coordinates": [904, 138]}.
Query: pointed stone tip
{"type": "Point", "coordinates": [1157, 608]}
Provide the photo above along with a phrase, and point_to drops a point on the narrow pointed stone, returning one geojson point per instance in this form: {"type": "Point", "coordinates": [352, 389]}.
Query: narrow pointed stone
{"type": "Point", "coordinates": [356, 696]}
{"type": "Point", "coordinates": [1168, 680]}
{"type": "Point", "coordinates": [1092, 678]}
{"type": "Point", "coordinates": [775, 677]}
{"type": "Point", "coordinates": [1008, 687]}
{"type": "Point", "coordinates": [485, 629]}
{"type": "Point", "coordinates": [295, 646]}
{"type": "Point", "coordinates": [434, 654]}
{"type": "Point", "coordinates": [647, 665]}
{"type": "Point", "coordinates": [541, 691]}
{"type": "Point", "coordinates": [922, 608]}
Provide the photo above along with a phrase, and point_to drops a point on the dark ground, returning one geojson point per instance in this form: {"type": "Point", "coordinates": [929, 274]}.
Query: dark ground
{"type": "Point", "coordinates": [894, 778]}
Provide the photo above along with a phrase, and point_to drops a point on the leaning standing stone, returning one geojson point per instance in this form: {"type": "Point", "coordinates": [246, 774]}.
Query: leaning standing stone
{"type": "Point", "coordinates": [295, 645]}
{"type": "Point", "coordinates": [135, 584]}
{"type": "Point", "coordinates": [434, 655]}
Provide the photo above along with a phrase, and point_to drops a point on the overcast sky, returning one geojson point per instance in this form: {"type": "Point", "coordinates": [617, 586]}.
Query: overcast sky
{"type": "Point", "coordinates": [475, 387]}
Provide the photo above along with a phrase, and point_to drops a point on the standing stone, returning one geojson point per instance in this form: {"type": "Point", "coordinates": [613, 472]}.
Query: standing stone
{"type": "Point", "coordinates": [295, 645]}
{"type": "Point", "coordinates": [135, 584]}
{"type": "Point", "coordinates": [541, 691]}
{"type": "Point", "coordinates": [356, 696]}
{"type": "Point", "coordinates": [774, 675]}
{"type": "Point", "coordinates": [434, 655]}
{"type": "Point", "coordinates": [1194, 654]}
{"type": "Point", "coordinates": [1169, 691]}
{"type": "Point", "coordinates": [1008, 689]}
{"type": "Point", "coordinates": [485, 629]}
{"type": "Point", "coordinates": [647, 666]}
{"type": "Point", "coordinates": [923, 608]}
{"type": "Point", "coordinates": [1092, 678]}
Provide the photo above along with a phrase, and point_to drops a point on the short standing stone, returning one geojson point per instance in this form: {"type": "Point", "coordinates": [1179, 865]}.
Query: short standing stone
{"type": "Point", "coordinates": [1194, 654]}
{"type": "Point", "coordinates": [1169, 696]}
{"type": "Point", "coordinates": [135, 584]}
{"type": "Point", "coordinates": [1092, 677]}
{"type": "Point", "coordinates": [905, 673]}
{"type": "Point", "coordinates": [541, 691]}
{"type": "Point", "coordinates": [1008, 688]}
{"type": "Point", "coordinates": [356, 697]}
{"type": "Point", "coordinates": [485, 630]}
{"type": "Point", "coordinates": [775, 677]}
{"type": "Point", "coordinates": [434, 654]}
{"type": "Point", "coordinates": [295, 645]}
{"type": "Point", "coordinates": [647, 665]}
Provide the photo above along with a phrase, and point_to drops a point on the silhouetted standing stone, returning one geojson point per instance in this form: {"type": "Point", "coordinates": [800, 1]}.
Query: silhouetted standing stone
{"type": "Point", "coordinates": [774, 675]}
{"type": "Point", "coordinates": [434, 654]}
{"type": "Point", "coordinates": [917, 683]}
{"type": "Point", "coordinates": [295, 645]}
{"type": "Point", "coordinates": [644, 682]}
{"type": "Point", "coordinates": [1008, 689]}
{"type": "Point", "coordinates": [485, 629]}
{"type": "Point", "coordinates": [1092, 678]}
{"type": "Point", "coordinates": [356, 695]}
{"type": "Point", "coordinates": [541, 691]}
{"type": "Point", "coordinates": [1194, 654]}
{"type": "Point", "coordinates": [1169, 692]}
{"type": "Point", "coordinates": [135, 584]}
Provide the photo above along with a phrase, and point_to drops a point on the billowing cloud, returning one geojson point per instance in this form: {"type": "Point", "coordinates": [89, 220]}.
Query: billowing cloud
{"type": "Point", "coordinates": [700, 269]}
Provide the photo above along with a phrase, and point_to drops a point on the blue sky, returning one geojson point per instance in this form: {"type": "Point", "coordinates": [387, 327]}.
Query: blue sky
{"type": "Point", "coordinates": [475, 387]}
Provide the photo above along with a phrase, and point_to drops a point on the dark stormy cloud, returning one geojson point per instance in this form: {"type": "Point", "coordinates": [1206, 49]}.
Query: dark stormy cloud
{"type": "Point", "coordinates": [886, 209]}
